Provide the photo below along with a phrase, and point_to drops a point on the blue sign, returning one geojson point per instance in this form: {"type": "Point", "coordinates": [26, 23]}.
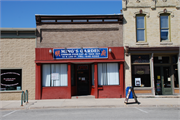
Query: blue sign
{"type": "Point", "coordinates": [78, 53]}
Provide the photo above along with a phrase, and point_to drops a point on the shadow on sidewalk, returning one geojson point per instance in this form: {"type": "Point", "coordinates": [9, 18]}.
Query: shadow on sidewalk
{"type": "Point", "coordinates": [133, 103]}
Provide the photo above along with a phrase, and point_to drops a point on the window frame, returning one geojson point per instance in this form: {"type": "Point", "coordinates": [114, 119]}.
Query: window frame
{"type": "Point", "coordinates": [141, 64]}
{"type": "Point", "coordinates": [20, 77]}
{"type": "Point", "coordinates": [145, 30]}
{"type": "Point", "coordinates": [169, 27]}
{"type": "Point", "coordinates": [106, 74]}
{"type": "Point", "coordinates": [51, 74]}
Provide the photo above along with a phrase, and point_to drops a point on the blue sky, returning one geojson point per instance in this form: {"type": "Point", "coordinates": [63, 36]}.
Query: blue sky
{"type": "Point", "coordinates": [21, 13]}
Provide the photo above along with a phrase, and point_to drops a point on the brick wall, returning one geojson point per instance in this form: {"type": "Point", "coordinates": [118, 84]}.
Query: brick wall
{"type": "Point", "coordinates": [80, 35]}
{"type": "Point", "coordinates": [152, 9]}
{"type": "Point", "coordinates": [19, 54]}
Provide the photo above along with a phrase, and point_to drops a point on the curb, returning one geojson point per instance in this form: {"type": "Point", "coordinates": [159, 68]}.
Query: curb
{"type": "Point", "coordinates": [99, 106]}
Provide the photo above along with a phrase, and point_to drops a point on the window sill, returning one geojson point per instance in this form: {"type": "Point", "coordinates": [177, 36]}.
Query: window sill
{"type": "Point", "coordinates": [142, 88]}
{"type": "Point", "coordinates": [13, 91]}
{"type": "Point", "coordinates": [142, 43]}
{"type": "Point", "coordinates": [166, 43]}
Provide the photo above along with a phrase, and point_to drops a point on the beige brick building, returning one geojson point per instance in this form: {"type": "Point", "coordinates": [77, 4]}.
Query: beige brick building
{"type": "Point", "coordinates": [151, 40]}
{"type": "Point", "coordinates": [17, 55]}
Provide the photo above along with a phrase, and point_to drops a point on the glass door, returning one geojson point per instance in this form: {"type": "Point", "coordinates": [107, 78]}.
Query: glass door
{"type": "Point", "coordinates": [166, 80]}
{"type": "Point", "coordinates": [83, 79]}
{"type": "Point", "coordinates": [163, 82]}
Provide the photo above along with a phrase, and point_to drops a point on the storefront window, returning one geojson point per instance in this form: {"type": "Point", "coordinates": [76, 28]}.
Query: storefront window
{"type": "Point", "coordinates": [11, 79]}
{"type": "Point", "coordinates": [141, 76]}
{"type": "Point", "coordinates": [140, 71]}
{"type": "Point", "coordinates": [140, 58]}
{"type": "Point", "coordinates": [54, 75]}
{"type": "Point", "coordinates": [108, 74]}
{"type": "Point", "coordinates": [161, 59]}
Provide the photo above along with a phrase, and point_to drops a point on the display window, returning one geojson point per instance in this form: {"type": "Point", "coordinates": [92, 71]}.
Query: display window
{"type": "Point", "coordinates": [11, 79]}
{"type": "Point", "coordinates": [54, 75]}
{"type": "Point", "coordinates": [108, 74]}
{"type": "Point", "coordinates": [140, 71]}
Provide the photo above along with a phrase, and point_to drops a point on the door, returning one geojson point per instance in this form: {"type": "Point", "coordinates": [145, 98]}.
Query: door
{"type": "Point", "coordinates": [163, 82]}
{"type": "Point", "coordinates": [83, 79]}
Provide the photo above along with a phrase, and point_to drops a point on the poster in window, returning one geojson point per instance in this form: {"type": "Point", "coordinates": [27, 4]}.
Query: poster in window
{"type": "Point", "coordinates": [11, 79]}
{"type": "Point", "coordinates": [137, 81]}
{"type": "Point", "coordinates": [54, 76]}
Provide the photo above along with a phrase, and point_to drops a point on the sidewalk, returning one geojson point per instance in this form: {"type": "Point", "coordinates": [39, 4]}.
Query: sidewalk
{"type": "Point", "coordinates": [79, 103]}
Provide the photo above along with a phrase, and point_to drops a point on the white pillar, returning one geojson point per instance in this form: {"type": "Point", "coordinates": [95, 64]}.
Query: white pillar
{"type": "Point", "coordinates": [152, 74]}
{"type": "Point", "coordinates": [179, 69]}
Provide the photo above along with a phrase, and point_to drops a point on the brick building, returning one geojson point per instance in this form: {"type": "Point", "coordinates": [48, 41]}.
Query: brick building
{"type": "Point", "coordinates": [17, 54]}
{"type": "Point", "coordinates": [79, 55]}
{"type": "Point", "coordinates": [152, 40]}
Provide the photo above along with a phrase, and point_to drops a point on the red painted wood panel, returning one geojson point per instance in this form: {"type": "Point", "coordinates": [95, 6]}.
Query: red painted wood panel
{"type": "Point", "coordinates": [55, 93]}
{"type": "Point", "coordinates": [38, 82]}
{"type": "Point", "coordinates": [96, 80]}
{"type": "Point", "coordinates": [43, 56]}
{"type": "Point", "coordinates": [69, 81]}
{"type": "Point", "coordinates": [111, 92]}
{"type": "Point", "coordinates": [93, 90]}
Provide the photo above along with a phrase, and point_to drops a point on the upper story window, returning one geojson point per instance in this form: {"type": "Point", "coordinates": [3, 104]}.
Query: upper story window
{"type": "Point", "coordinates": [164, 27]}
{"type": "Point", "coordinates": [140, 28]}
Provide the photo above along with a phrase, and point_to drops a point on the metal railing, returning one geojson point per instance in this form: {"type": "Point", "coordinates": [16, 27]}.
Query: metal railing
{"type": "Point", "coordinates": [24, 97]}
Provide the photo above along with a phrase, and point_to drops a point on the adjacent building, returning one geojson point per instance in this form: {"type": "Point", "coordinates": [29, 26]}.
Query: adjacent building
{"type": "Point", "coordinates": [17, 55]}
{"type": "Point", "coordinates": [151, 41]}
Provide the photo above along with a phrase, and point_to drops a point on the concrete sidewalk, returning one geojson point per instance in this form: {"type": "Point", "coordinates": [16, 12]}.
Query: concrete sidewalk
{"type": "Point", "coordinates": [79, 103]}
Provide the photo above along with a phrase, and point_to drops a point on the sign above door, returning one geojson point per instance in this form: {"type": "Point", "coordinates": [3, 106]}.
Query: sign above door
{"type": "Point", "coordinates": [80, 53]}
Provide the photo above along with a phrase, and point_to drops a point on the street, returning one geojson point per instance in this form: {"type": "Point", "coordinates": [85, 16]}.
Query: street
{"type": "Point", "coordinates": [105, 113]}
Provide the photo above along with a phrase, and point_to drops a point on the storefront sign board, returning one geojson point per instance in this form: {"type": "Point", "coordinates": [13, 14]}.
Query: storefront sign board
{"type": "Point", "coordinates": [78, 53]}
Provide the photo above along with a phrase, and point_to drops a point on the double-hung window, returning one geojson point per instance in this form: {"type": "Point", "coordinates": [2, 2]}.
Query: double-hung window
{"type": "Point", "coordinates": [140, 28]}
{"type": "Point", "coordinates": [164, 25]}
{"type": "Point", "coordinates": [108, 74]}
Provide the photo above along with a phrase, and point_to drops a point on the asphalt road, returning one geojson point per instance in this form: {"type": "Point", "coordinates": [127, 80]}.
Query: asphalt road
{"type": "Point", "coordinates": [135, 113]}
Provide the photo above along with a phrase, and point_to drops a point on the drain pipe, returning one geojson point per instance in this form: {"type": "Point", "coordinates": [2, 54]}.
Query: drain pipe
{"type": "Point", "coordinates": [179, 69]}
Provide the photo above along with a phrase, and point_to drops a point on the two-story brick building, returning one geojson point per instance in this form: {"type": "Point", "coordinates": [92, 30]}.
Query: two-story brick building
{"type": "Point", "coordinates": [151, 41]}
{"type": "Point", "coordinates": [79, 55]}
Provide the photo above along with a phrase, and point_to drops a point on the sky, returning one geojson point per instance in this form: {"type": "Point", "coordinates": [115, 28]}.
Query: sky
{"type": "Point", "coordinates": [21, 13]}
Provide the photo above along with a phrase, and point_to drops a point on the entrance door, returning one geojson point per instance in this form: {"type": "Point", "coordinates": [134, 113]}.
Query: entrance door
{"type": "Point", "coordinates": [163, 80]}
{"type": "Point", "coordinates": [83, 79]}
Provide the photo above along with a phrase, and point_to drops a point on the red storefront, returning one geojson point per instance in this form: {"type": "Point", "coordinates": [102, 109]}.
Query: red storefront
{"type": "Point", "coordinates": [99, 91]}
{"type": "Point", "coordinates": [102, 77]}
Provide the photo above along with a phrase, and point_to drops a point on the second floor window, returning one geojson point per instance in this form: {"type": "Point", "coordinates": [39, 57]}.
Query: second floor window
{"type": "Point", "coordinates": [140, 28]}
{"type": "Point", "coordinates": [164, 25]}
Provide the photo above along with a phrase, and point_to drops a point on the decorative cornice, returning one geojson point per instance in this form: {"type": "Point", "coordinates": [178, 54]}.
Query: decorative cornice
{"type": "Point", "coordinates": [124, 4]}
{"type": "Point", "coordinates": [141, 12]}
{"type": "Point", "coordinates": [166, 11]}
{"type": "Point", "coordinates": [178, 4]}
{"type": "Point", "coordinates": [153, 4]}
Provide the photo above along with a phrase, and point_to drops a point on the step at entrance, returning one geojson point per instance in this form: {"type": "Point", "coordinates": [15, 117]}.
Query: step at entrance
{"type": "Point", "coordinates": [83, 97]}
